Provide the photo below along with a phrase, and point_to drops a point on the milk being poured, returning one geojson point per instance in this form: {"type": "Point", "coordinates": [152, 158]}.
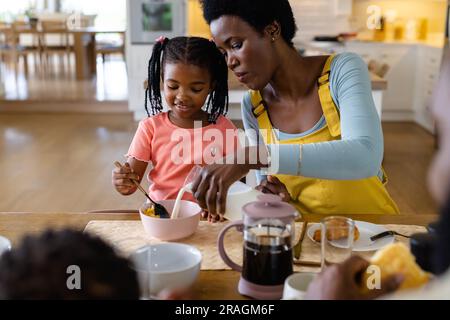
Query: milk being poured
{"type": "Point", "coordinates": [176, 207]}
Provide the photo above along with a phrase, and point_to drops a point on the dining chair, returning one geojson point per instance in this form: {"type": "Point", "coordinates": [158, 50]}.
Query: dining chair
{"type": "Point", "coordinates": [10, 51]}
{"type": "Point", "coordinates": [110, 47]}
{"type": "Point", "coordinates": [28, 42]}
{"type": "Point", "coordinates": [55, 40]}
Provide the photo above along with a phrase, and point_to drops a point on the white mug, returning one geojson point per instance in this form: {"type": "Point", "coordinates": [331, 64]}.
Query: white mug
{"type": "Point", "coordinates": [296, 285]}
{"type": "Point", "coordinates": [5, 245]}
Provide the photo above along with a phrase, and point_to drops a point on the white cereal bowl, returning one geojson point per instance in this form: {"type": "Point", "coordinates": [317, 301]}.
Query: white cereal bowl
{"type": "Point", "coordinates": [5, 245]}
{"type": "Point", "coordinates": [172, 229]}
{"type": "Point", "coordinates": [296, 285]}
{"type": "Point", "coordinates": [166, 266]}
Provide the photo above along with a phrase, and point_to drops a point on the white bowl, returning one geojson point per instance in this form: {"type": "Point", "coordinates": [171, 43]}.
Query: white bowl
{"type": "Point", "coordinates": [166, 266]}
{"type": "Point", "coordinates": [296, 285]}
{"type": "Point", "coordinates": [5, 245]}
{"type": "Point", "coordinates": [172, 229]}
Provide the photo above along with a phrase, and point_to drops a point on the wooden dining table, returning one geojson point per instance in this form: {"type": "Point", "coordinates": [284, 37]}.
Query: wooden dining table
{"type": "Point", "coordinates": [211, 285]}
{"type": "Point", "coordinates": [84, 44]}
{"type": "Point", "coordinates": [84, 47]}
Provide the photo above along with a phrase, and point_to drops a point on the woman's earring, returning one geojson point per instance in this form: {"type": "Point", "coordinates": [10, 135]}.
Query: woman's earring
{"type": "Point", "coordinates": [273, 39]}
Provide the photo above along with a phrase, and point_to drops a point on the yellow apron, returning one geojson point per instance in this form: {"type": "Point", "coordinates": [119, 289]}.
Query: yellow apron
{"type": "Point", "coordinates": [320, 196]}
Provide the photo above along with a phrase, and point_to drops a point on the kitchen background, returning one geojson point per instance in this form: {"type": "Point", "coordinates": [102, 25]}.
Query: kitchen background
{"type": "Point", "coordinates": [404, 47]}
{"type": "Point", "coordinates": [43, 106]}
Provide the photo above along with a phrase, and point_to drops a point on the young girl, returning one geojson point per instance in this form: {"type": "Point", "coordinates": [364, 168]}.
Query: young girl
{"type": "Point", "coordinates": [192, 69]}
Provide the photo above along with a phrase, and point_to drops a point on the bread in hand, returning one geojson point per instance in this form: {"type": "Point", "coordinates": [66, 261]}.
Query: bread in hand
{"type": "Point", "coordinates": [396, 258]}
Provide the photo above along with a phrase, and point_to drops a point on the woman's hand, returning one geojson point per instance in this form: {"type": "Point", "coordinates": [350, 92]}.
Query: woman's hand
{"type": "Point", "coordinates": [122, 179]}
{"type": "Point", "coordinates": [205, 216]}
{"type": "Point", "coordinates": [274, 186]}
{"type": "Point", "coordinates": [212, 184]}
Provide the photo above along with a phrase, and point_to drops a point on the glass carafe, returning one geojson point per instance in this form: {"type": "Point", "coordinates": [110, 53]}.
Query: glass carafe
{"type": "Point", "coordinates": [268, 227]}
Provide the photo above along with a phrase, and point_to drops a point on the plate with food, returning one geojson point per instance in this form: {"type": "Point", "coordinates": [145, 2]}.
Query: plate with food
{"type": "Point", "coordinates": [362, 233]}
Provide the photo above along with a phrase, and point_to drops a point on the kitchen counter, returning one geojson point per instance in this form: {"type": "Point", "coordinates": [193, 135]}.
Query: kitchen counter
{"type": "Point", "coordinates": [237, 91]}
{"type": "Point", "coordinates": [211, 285]}
{"type": "Point", "coordinates": [234, 84]}
{"type": "Point", "coordinates": [433, 40]}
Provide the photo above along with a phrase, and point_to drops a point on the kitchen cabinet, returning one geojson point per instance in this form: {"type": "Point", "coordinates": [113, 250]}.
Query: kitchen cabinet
{"type": "Point", "coordinates": [401, 59]}
{"type": "Point", "coordinates": [427, 75]}
{"type": "Point", "coordinates": [414, 69]}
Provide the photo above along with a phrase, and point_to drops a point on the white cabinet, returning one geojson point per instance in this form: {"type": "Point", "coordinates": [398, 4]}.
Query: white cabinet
{"type": "Point", "coordinates": [414, 69]}
{"type": "Point", "coordinates": [401, 59]}
{"type": "Point", "coordinates": [429, 62]}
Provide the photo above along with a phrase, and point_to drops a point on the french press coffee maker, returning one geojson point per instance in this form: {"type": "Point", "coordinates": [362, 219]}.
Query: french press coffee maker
{"type": "Point", "coordinates": [268, 226]}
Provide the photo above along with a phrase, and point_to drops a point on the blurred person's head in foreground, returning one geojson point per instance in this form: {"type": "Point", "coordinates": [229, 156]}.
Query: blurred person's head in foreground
{"type": "Point", "coordinates": [66, 265]}
{"type": "Point", "coordinates": [439, 173]}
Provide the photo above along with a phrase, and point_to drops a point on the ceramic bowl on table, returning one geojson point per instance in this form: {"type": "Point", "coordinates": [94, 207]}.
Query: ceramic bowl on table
{"type": "Point", "coordinates": [166, 266]}
{"type": "Point", "coordinates": [172, 229]}
{"type": "Point", "coordinates": [5, 245]}
{"type": "Point", "coordinates": [296, 285]}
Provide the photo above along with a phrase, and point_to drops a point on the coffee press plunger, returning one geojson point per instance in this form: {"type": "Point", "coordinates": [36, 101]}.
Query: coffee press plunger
{"type": "Point", "coordinates": [268, 225]}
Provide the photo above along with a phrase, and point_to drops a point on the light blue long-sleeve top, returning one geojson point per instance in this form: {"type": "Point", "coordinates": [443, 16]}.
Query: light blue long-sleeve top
{"type": "Point", "coordinates": [358, 154]}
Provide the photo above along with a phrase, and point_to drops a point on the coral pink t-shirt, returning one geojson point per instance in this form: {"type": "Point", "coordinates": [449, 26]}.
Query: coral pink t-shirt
{"type": "Point", "coordinates": [174, 151]}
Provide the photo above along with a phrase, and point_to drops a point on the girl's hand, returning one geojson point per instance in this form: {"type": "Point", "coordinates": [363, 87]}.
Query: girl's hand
{"type": "Point", "coordinates": [274, 186]}
{"type": "Point", "coordinates": [122, 179]}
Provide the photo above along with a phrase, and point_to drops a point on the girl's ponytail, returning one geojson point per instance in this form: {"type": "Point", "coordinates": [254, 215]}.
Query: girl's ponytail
{"type": "Point", "coordinates": [153, 90]}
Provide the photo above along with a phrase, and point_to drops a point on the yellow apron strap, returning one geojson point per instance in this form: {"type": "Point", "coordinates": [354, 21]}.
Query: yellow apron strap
{"type": "Point", "coordinates": [260, 113]}
{"type": "Point", "coordinates": [257, 103]}
{"type": "Point", "coordinates": [384, 179]}
{"type": "Point", "coordinates": [330, 110]}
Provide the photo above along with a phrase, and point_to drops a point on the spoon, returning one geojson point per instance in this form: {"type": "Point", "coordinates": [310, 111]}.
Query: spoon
{"type": "Point", "coordinates": [159, 209]}
{"type": "Point", "coordinates": [386, 234]}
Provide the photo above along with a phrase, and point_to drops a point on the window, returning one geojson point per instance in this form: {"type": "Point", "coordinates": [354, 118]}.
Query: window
{"type": "Point", "coordinates": [110, 14]}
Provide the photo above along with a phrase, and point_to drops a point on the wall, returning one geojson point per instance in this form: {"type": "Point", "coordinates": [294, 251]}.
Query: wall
{"type": "Point", "coordinates": [314, 17]}
{"type": "Point", "coordinates": [433, 10]}
{"type": "Point", "coordinates": [197, 26]}
{"type": "Point", "coordinates": [137, 59]}
{"type": "Point", "coordinates": [321, 17]}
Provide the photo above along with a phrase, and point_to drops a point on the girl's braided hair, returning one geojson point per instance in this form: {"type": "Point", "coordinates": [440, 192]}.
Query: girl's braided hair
{"type": "Point", "coordinates": [188, 50]}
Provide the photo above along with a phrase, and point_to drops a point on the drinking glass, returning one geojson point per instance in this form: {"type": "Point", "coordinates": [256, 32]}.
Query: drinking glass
{"type": "Point", "coordinates": [337, 236]}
